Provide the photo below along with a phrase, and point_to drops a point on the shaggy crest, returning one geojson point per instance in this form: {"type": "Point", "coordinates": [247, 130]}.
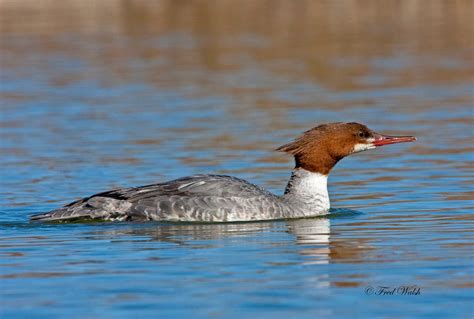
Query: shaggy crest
{"type": "Point", "coordinates": [321, 147]}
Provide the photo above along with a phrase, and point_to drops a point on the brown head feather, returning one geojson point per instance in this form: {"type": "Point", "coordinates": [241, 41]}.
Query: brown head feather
{"type": "Point", "coordinates": [320, 148]}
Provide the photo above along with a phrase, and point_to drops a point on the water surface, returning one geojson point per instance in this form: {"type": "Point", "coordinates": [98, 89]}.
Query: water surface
{"type": "Point", "coordinates": [116, 94]}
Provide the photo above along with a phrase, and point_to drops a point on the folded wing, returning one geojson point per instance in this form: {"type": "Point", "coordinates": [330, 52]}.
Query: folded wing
{"type": "Point", "coordinates": [192, 198]}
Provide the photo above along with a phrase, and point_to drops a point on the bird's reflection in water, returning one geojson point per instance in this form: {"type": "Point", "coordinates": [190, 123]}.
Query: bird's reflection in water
{"type": "Point", "coordinates": [312, 235]}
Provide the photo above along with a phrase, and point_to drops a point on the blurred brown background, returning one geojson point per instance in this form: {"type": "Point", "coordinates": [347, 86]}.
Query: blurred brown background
{"type": "Point", "coordinates": [317, 33]}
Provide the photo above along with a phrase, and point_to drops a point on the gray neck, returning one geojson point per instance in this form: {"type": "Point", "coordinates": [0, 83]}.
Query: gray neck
{"type": "Point", "coordinates": [308, 190]}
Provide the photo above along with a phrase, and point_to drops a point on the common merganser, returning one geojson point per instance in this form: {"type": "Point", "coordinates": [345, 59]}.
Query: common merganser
{"type": "Point", "coordinates": [220, 198]}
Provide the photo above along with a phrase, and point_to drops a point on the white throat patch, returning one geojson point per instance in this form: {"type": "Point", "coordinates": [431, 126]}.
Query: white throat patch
{"type": "Point", "coordinates": [359, 147]}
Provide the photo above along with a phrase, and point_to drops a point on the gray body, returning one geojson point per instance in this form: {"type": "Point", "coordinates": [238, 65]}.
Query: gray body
{"type": "Point", "coordinates": [219, 198]}
{"type": "Point", "coordinates": [202, 198]}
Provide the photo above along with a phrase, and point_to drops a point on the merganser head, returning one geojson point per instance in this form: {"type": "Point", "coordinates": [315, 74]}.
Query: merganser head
{"type": "Point", "coordinates": [320, 148]}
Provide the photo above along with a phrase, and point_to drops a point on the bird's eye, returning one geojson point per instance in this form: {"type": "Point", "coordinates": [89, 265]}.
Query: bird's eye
{"type": "Point", "coordinates": [361, 134]}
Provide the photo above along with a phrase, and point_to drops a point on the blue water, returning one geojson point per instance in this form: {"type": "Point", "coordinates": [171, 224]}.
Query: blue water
{"type": "Point", "coordinates": [86, 111]}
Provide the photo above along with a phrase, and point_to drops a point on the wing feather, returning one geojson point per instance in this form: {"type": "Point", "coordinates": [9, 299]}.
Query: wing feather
{"type": "Point", "coordinates": [192, 198]}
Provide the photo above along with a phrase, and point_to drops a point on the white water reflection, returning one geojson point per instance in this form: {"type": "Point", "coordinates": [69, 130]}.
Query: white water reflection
{"type": "Point", "coordinates": [314, 234]}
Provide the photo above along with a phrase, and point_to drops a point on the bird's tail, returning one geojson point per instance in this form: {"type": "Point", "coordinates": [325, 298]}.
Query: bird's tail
{"type": "Point", "coordinates": [76, 210]}
{"type": "Point", "coordinates": [89, 208]}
